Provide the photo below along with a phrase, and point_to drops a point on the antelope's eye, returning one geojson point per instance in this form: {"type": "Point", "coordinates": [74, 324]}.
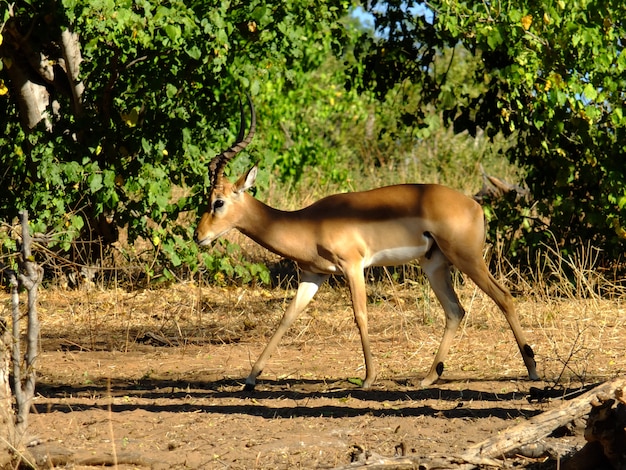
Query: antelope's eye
{"type": "Point", "coordinates": [218, 204]}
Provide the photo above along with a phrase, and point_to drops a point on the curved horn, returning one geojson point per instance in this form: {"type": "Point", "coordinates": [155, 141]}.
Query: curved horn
{"type": "Point", "coordinates": [217, 164]}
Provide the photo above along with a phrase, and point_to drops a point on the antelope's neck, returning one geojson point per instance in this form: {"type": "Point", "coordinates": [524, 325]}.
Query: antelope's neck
{"type": "Point", "coordinates": [281, 232]}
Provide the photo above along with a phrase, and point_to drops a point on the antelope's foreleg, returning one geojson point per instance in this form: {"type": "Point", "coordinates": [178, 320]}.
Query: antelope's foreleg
{"type": "Point", "coordinates": [356, 281]}
{"type": "Point", "coordinates": [309, 285]}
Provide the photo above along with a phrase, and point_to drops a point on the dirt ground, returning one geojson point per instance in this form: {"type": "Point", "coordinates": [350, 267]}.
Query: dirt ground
{"type": "Point", "coordinates": [153, 379]}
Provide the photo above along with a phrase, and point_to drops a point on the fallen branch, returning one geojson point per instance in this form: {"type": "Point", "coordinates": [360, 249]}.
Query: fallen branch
{"type": "Point", "coordinates": [605, 434]}
{"type": "Point", "coordinates": [491, 451]}
{"type": "Point", "coordinates": [51, 455]}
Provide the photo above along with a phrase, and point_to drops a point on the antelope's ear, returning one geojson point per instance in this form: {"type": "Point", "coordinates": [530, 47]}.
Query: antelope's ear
{"type": "Point", "coordinates": [246, 181]}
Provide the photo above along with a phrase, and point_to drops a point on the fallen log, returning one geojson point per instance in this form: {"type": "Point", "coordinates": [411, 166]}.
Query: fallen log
{"type": "Point", "coordinates": [542, 425]}
{"type": "Point", "coordinates": [493, 451]}
{"type": "Point", "coordinates": [605, 434]}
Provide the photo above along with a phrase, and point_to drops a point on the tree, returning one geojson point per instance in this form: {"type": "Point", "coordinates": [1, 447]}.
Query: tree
{"type": "Point", "coordinates": [22, 376]}
{"type": "Point", "coordinates": [553, 73]}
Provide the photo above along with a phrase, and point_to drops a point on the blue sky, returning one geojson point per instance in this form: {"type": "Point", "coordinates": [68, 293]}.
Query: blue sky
{"type": "Point", "coordinates": [367, 19]}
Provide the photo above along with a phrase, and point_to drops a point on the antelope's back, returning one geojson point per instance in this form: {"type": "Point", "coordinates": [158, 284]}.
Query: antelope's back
{"type": "Point", "coordinates": [424, 201]}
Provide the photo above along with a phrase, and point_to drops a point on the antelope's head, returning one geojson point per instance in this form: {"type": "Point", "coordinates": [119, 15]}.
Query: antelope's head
{"type": "Point", "coordinates": [223, 213]}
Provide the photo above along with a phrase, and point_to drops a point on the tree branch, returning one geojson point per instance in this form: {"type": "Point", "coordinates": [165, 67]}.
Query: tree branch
{"type": "Point", "coordinates": [72, 56]}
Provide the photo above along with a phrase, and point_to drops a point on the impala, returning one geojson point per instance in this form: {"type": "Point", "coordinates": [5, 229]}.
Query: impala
{"type": "Point", "coordinates": [343, 234]}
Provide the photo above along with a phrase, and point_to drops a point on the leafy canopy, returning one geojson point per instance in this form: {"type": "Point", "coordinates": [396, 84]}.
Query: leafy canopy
{"type": "Point", "coordinates": [125, 102]}
{"type": "Point", "coordinates": [554, 78]}
{"type": "Point", "coordinates": [115, 108]}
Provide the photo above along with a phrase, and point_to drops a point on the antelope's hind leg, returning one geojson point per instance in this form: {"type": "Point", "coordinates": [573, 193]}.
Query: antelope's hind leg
{"type": "Point", "coordinates": [438, 270]}
{"type": "Point", "coordinates": [504, 300]}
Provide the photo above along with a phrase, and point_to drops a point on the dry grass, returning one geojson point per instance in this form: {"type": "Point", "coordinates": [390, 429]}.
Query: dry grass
{"type": "Point", "coordinates": [121, 395]}
{"type": "Point", "coordinates": [578, 337]}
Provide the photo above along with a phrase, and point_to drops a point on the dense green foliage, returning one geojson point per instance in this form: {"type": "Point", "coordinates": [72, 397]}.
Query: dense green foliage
{"type": "Point", "coordinates": [162, 82]}
{"type": "Point", "coordinates": [129, 131]}
{"type": "Point", "coordinates": [553, 77]}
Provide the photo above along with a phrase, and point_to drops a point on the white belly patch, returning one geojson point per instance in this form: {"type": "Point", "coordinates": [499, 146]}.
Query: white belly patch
{"type": "Point", "coordinates": [397, 255]}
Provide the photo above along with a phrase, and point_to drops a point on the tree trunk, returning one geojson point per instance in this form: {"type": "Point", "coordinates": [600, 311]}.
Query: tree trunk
{"type": "Point", "coordinates": [13, 425]}
{"type": "Point", "coordinates": [7, 417]}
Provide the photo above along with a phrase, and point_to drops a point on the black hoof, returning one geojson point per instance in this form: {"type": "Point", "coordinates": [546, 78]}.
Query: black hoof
{"type": "Point", "coordinates": [248, 388]}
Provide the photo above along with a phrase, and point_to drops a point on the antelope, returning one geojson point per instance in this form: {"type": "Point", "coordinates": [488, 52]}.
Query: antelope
{"type": "Point", "coordinates": [343, 234]}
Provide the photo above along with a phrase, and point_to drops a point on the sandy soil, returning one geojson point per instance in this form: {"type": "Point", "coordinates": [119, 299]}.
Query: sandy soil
{"type": "Point", "coordinates": [153, 379]}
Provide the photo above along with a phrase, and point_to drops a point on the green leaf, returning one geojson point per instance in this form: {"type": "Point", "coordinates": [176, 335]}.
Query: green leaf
{"type": "Point", "coordinates": [77, 222]}
{"type": "Point", "coordinates": [95, 182]}
{"type": "Point", "coordinates": [173, 32]}
{"type": "Point", "coordinates": [590, 92]}
{"type": "Point", "coordinates": [494, 38]}
{"type": "Point", "coordinates": [194, 52]}
{"type": "Point", "coordinates": [170, 90]}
